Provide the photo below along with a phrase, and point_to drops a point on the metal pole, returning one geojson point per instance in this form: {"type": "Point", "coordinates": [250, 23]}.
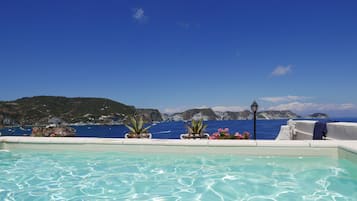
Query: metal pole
{"type": "Point", "coordinates": [255, 125]}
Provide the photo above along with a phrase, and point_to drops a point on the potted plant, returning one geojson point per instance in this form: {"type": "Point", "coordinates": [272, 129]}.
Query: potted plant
{"type": "Point", "coordinates": [196, 130]}
{"type": "Point", "coordinates": [136, 129]}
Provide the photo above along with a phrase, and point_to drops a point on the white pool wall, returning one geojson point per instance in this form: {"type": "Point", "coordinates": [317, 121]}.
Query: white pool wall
{"type": "Point", "coordinates": [344, 149]}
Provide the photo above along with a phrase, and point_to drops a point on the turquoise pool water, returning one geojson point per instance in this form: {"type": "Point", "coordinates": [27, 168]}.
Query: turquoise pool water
{"type": "Point", "coordinates": [78, 175]}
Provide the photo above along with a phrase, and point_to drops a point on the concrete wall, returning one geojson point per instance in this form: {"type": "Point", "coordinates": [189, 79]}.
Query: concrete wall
{"type": "Point", "coordinates": [342, 131]}
{"type": "Point", "coordinates": [304, 129]}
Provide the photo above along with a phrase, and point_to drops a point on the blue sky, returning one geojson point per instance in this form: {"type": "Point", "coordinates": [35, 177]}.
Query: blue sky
{"type": "Point", "coordinates": [174, 55]}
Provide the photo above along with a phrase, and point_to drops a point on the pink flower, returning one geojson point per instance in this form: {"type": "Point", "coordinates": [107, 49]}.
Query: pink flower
{"type": "Point", "coordinates": [212, 137]}
{"type": "Point", "coordinates": [238, 135]}
{"type": "Point", "coordinates": [246, 135]}
{"type": "Point", "coordinates": [216, 134]}
{"type": "Point", "coordinates": [224, 134]}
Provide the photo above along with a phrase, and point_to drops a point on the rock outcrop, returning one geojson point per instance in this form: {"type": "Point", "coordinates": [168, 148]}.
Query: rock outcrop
{"type": "Point", "coordinates": [205, 114]}
{"type": "Point", "coordinates": [149, 115]}
{"type": "Point", "coordinates": [62, 131]}
{"type": "Point", "coordinates": [273, 114]}
{"type": "Point", "coordinates": [243, 115]}
{"type": "Point", "coordinates": [318, 116]}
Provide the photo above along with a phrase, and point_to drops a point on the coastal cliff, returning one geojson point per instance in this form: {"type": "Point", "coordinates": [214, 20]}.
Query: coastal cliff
{"type": "Point", "coordinates": [273, 114]}
{"type": "Point", "coordinates": [205, 114]}
{"type": "Point", "coordinates": [243, 115]}
{"type": "Point", "coordinates": [39, 110]}
{"type": "Point", "coordinates": [149, 115]}
{"type": "Point", "coordinates": [209, 114]}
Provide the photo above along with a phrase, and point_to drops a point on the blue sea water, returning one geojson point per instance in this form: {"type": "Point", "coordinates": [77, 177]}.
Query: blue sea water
{"type": "Point", "coordinates": [266, 129]}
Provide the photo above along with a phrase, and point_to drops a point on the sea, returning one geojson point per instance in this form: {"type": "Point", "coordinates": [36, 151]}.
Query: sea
{"type": "Point", "coordinates": [266, 129]}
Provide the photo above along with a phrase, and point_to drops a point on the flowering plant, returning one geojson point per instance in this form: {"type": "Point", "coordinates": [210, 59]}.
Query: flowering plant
{"type": "Point", "coordinates": [224, 134]}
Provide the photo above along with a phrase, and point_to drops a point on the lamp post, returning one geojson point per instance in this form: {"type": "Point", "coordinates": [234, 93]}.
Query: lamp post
{"type": "Point", "coordinates": [254, 108]}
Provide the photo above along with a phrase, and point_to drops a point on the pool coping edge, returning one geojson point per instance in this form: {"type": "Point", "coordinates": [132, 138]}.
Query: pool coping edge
{"type": "Point", "coordinates": [349, 145]}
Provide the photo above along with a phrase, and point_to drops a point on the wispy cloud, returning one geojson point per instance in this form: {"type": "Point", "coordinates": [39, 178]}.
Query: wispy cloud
{"type": "Point", "coordinates": [138, 15]}
{"type": "Point", "coordinates": [281, 70]}
{"type": "Point", "coordinates": [184, 25]}
{"type": "Point", "coordinates": [182, 109]}
{"type": "Point", "coordinates": [188, 25]}
{"type": "Point", "coordinates": [201, 107]}
{"type": "Point", "coordinates": [214, 108]}
{"type": "Point", "coordinates": [174, 110]}
{"type": "Point", "coordinates": [306, 107]}
{"type": "Point", "coordinates": [277, 99]}
{"type": "Point", "coordinates": [299, 107]}
{"type": "Point", "coordinates": [228, 108]}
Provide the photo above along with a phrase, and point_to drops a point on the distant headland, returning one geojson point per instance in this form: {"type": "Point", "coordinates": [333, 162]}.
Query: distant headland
{"type": "Point", "coordinates": [41, 110]}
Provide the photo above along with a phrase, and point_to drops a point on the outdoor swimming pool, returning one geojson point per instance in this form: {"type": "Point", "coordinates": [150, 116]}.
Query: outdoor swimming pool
{"type": "Point", "coordinates": [92, 172]}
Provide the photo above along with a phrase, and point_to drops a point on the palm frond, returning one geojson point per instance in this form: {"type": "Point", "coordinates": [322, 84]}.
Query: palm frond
{"type": "Point", "coordinates": [140, 123]}
{"type": "Point", "coordinates": [136, 126]}
{"type": "Point", "coordinates": [196, 127]}
{"type": "Point", "coordinates": [145, 129]}
{"type": "Point", "coordinates": [130, 128]}
{"type": "Point", "coordinates": [134, 123]}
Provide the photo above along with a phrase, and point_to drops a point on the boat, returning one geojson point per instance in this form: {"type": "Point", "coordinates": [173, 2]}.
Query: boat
{"type": "Point", "coordinates": [305, 130]}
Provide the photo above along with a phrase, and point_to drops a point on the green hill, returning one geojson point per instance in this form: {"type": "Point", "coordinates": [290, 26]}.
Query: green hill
{"type": "Point", "coordinates": [39, 109]}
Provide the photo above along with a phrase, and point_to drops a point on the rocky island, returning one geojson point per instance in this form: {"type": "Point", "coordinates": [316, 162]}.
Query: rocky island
{"type": "Point", "coordinates": [317, 116]}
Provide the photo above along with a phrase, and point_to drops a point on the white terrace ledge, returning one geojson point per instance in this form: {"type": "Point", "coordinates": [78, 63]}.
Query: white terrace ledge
{"type": "Point", "coordinates": [347, 144]}
{"type": "Point", "coordinates": [329, 148]}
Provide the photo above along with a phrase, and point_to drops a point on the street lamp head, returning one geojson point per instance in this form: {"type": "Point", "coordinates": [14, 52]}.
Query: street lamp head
{"type": "Point", "coordinates": [254, 107]}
